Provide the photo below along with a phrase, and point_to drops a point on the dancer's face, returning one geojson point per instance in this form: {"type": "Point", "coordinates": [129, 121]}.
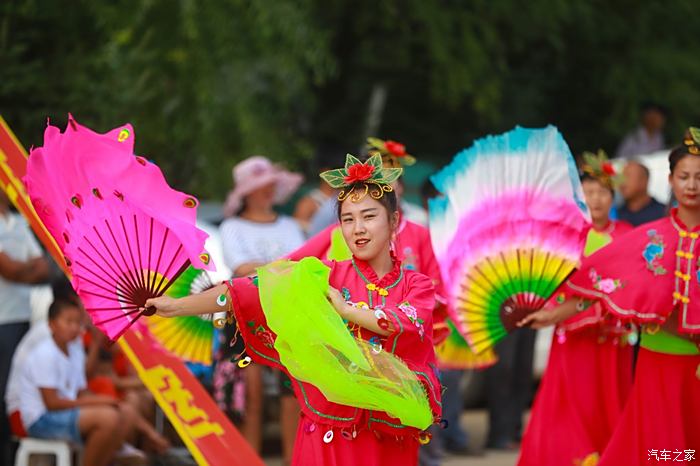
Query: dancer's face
{"type": "Point", "coordinates": [367, 227]}
{"type": "Point", "coordinates": [599, 199]}
{"type": "Point", "coordinates": [685, 182]}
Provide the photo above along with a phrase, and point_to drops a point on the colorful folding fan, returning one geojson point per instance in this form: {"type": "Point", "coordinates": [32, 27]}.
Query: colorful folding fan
{"type": "Point", "coordinates": [190, 337]}
{"type": "Point", "coordinates": [509, 229]}
{"type": "Point", "coordinates": [125, 234]}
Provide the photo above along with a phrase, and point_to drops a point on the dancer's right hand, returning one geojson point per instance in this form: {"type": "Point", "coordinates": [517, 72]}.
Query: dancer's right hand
{"type": "Point", "coordinates": [165, 306]}
{"type": "Point", "coordinates": [540, 319]}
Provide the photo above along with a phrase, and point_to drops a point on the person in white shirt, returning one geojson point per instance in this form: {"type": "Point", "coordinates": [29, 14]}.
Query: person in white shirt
{"type": "Point", "coordinates": [47, 395]}
{"type": "Point", "coordinates": [252, 237]}
{"type": "Point", "coordinates": [21, 264]}
{"type": "Point", "coordinates": [648, 137]}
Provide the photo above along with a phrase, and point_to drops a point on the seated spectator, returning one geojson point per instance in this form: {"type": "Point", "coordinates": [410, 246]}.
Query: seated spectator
{"type": "Point", "coordinates": [47, 397]}
{"type": "Point", "coordinates": [639, 207]}
{"type": "Point", "coordinates": [109, 374]}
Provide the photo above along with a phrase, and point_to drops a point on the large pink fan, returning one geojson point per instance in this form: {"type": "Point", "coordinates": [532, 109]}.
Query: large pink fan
{"type": "Point", "coordinates": [125, 234]}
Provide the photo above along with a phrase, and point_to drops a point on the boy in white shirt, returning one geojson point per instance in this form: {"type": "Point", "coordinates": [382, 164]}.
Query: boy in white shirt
{"type": "Point", "coordinates": [49, 399]}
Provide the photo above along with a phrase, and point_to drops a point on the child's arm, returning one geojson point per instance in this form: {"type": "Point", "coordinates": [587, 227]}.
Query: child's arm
{"type": "Point", "coordinates": [54, 402]}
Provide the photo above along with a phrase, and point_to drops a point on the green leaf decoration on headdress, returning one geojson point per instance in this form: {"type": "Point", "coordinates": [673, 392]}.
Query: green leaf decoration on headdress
{"type": "Point", "coordinates": [393, 153]}
{"type": "Point", "coordinates": [695, 134]}
{"type": "Point", "coordinates": [692, 141]}
{"type": "Point", "coordinates": [351, 160]}
{"type": "Point", "coordinates": [598, 166]}
{"type": "Point", "coordinates": [372, 171]}
{"type": "Point", "coordinates": [335, 178]}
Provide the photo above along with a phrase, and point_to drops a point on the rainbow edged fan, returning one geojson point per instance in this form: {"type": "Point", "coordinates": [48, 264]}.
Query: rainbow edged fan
{"type": "Point", "coordinates": [509, 229]}
{"type": "Point", "coordinates": [125, 234]}
{"type": "Point", "coordinates": [189, 337]}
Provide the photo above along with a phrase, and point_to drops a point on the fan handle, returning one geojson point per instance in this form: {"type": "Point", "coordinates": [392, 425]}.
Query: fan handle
{"type": "Point", "coordinates": [513, 312]}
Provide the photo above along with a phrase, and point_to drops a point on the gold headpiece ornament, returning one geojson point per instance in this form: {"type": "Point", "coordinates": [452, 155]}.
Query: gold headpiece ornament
{"type": "Point", "coordinates": [393, 153]}
{"type": "Point", "coordinates": [361, 175]}
{"type": "Point", "coordinates": [692, 141]}
{"type": "Point", "coordinates": [598, 166]}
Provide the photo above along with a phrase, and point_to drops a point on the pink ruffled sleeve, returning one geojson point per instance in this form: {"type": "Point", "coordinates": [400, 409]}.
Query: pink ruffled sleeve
{"type": "Point", "coordinates": [252, 324]}
{"type": "Point", "coordinates": [633, 277]}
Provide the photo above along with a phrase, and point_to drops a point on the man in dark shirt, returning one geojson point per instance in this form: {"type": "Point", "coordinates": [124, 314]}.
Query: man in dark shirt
{"type": "Point", "coordinates": [639, 206]}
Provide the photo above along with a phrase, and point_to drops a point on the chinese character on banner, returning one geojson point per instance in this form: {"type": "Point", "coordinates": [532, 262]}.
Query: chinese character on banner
{"type": "Point", "coordinates": [665, 455]}
{"type": "Point", "coordinates": [653, 454]}
{"type": "Point", "coordinates": [678, 454]}
{"type": "Point", "coordinates": [689, 455]}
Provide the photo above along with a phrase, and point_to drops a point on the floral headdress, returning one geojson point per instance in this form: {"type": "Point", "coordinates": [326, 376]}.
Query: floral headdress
{"type": "Point", "coordinates": [357, 174]}
{"type": "Point", "coordinates": [393, 153]}
{"type": "Point", "coordinates": [691, 141]}
{"type": "Point", "coordinates": [599, 167]}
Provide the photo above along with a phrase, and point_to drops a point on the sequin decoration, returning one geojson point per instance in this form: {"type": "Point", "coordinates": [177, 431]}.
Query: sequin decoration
{"type": "Point", "coordinates": [561, 336]}
{"type": "Point", "coordinates": [123, 135]}
{"type": "Point", "coordinates": [221, 300]}
{"type": "Point", "coordinates": [311, 427]}
{"type": "Point", "coordinates": [245, 362]}
{"type": "Point", "coordinates": [205, 258]}
{"type": "Point", "coordinates": [77, 201]}
{"type": "Point", "coordinates": [328, 437]}
{"type": "Point", "coordinates": [190, 203]}
{"type": "Point", "coordinates": [118, 195]}
{"type": "Point", "coordinates": [96, 193]}
{"type": "Point", "coordinates": [383, 324]}
{"type": "Point", "coordinates": [346, 435]}
{"type": "Point", "coordinates": [424, 438]}
{"type": "Point", "coordinates": [141, 161]}
{"type": "Point", "coordinates": [379, 314]}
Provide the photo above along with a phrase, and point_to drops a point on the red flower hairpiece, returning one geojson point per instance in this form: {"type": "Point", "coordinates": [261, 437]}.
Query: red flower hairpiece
{"type": "Point", "coordinates": [359, 172]}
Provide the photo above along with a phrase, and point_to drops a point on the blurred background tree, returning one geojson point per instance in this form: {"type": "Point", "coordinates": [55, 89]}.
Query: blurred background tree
{"type": "Point", "coordinates": [208, 83]}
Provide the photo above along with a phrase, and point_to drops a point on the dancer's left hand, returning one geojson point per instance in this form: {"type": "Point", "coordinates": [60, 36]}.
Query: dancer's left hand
{"type": "Point", "coordinates": [336, 299]}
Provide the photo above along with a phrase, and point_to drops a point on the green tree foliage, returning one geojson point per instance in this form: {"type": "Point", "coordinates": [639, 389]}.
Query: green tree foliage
{"type": "Point", "coordinates": [207, 83]}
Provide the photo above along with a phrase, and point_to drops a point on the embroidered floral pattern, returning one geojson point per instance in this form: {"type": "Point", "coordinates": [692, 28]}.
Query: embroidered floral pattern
{"type": "Point", "coordinates": [654, 252]}
{"type": "Point", "coordinates": [606, 285]}
{"type": "Point", "coordinates": [412, 315]}
{"type": "Point", "coordinates": [266, 336]}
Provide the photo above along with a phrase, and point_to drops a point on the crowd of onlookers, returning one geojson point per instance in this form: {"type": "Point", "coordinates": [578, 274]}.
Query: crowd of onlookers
{"type": "Point", "coordinates": [61, 379]}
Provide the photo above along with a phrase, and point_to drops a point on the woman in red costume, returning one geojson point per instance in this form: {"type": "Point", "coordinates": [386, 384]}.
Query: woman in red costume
{"type": "Point", "coordinates": [651, 276]}
{"type": "Point", "coordinates": [589, 373]}
{"type": "Point", "coordinates": [389, 307]}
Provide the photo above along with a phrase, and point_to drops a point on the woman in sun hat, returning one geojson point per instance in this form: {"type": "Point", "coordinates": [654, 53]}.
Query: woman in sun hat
{"type": "Point", "coordinates": [257, 172]}
{"type": "Point", "coordinates": [253, 235]}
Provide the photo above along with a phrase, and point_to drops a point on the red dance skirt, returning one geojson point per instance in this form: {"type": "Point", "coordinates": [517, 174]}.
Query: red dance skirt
{"type": "Point", "coordinates": [580, 400]}
{"type": "Point", "coordinates": [365, 448]}
{"type": "Point", "coordinates": [662, 417]}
